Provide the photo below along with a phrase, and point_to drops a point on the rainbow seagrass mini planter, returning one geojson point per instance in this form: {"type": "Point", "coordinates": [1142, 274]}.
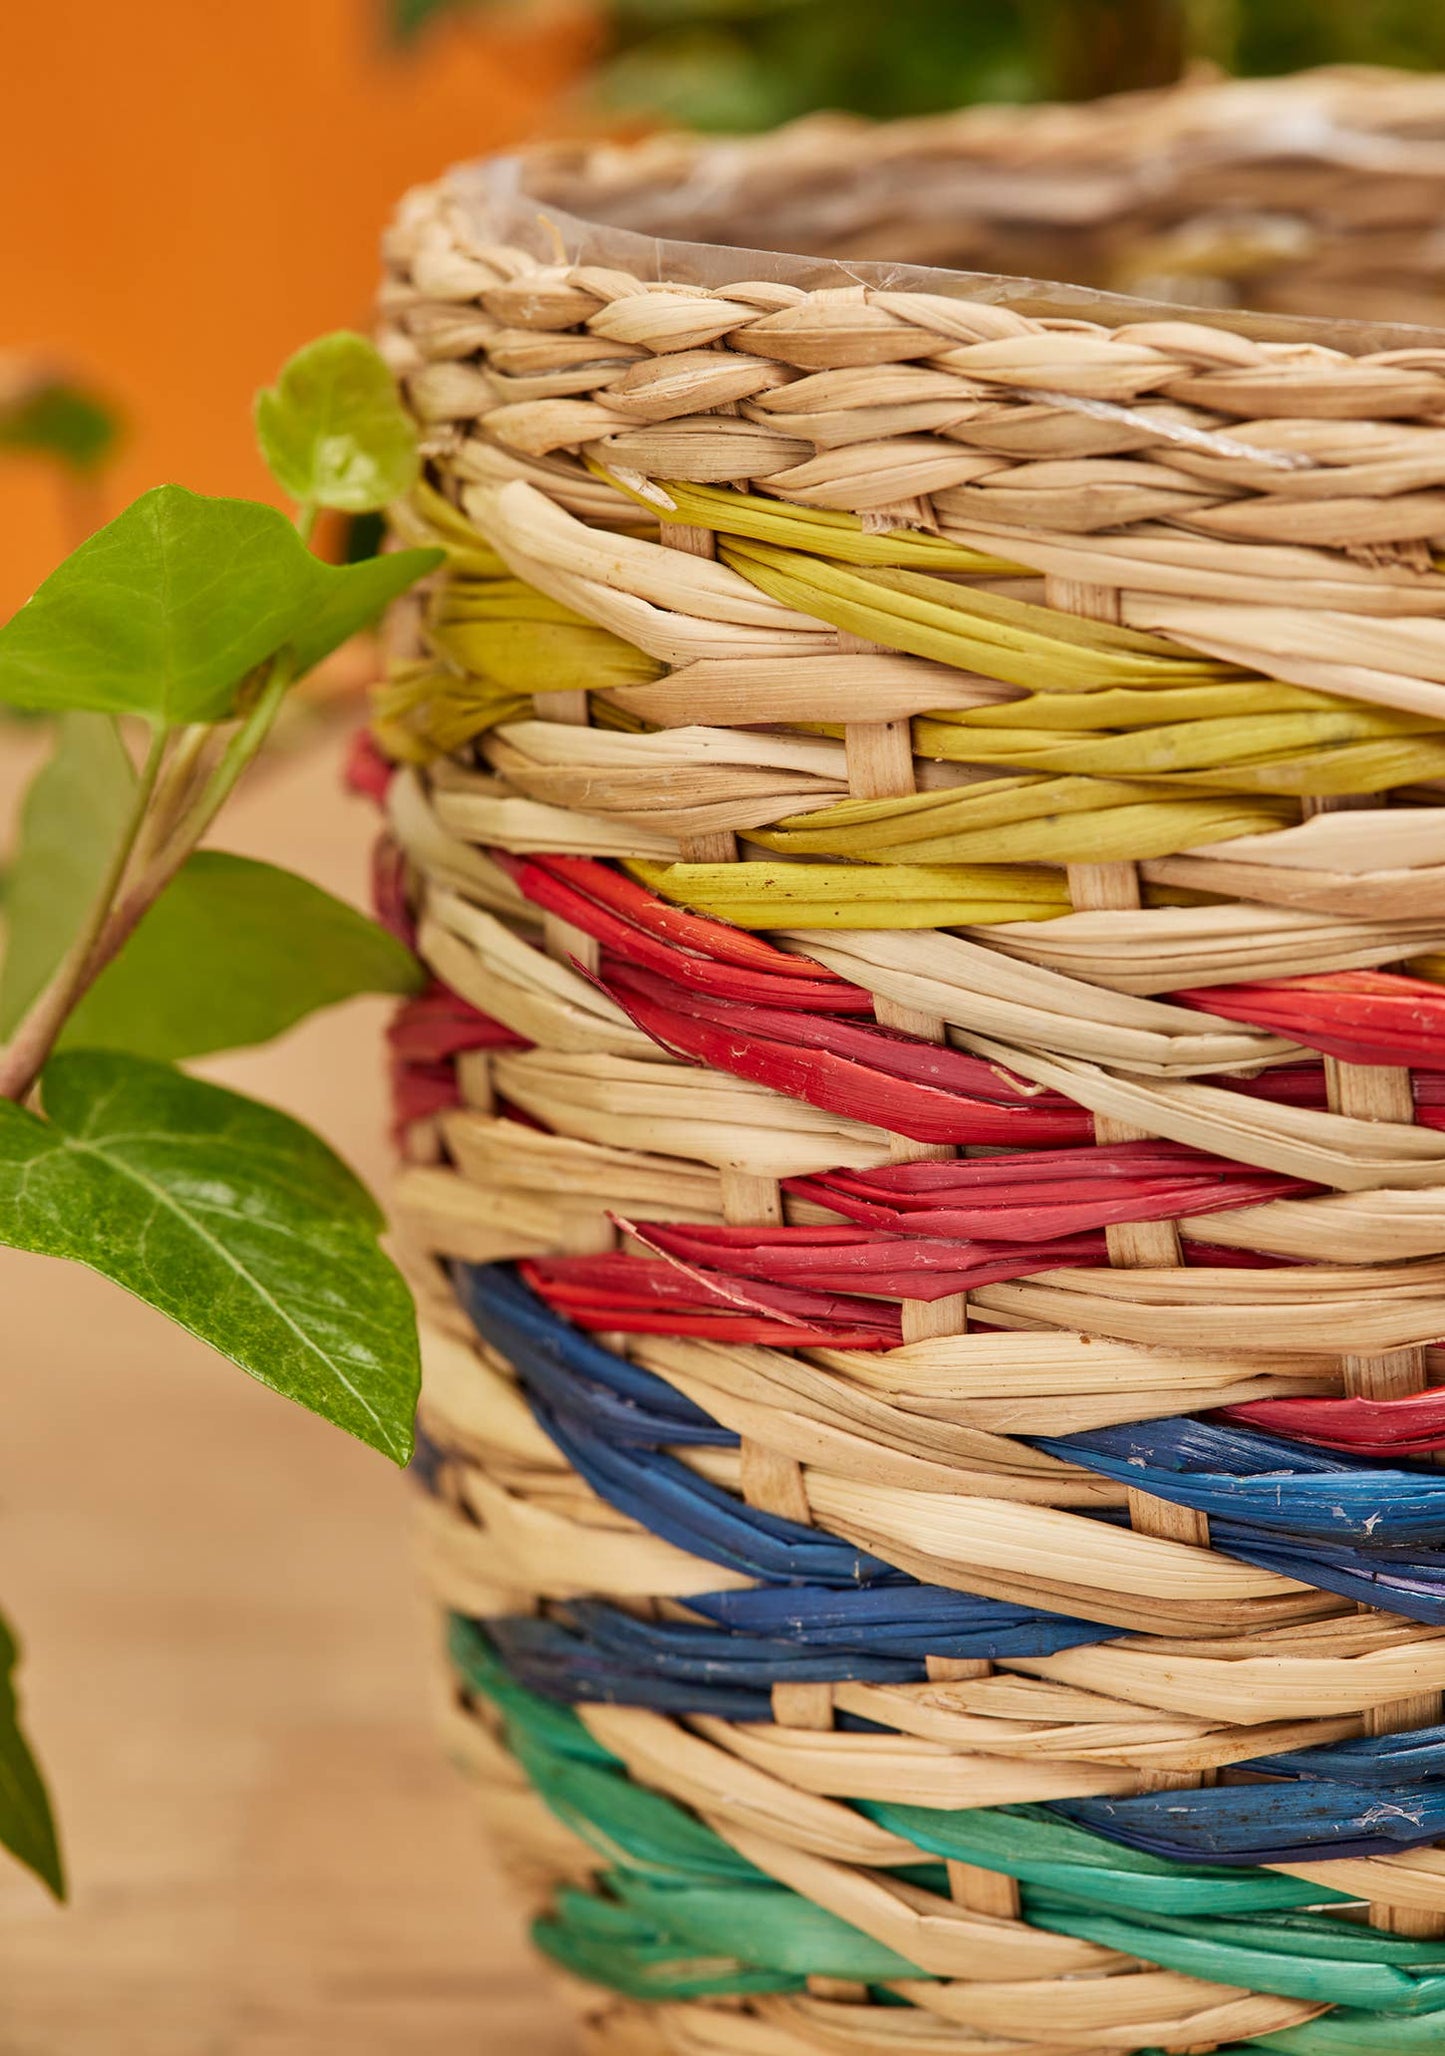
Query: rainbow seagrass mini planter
{"type": "Point", "coordinates": [920, 791]}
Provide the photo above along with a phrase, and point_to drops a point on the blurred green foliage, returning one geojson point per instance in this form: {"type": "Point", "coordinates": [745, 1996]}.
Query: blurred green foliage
{"type": "Point", "coordinates": [49, 417]}
{"type": "Point", "coordinates": [748, 64]}
{"type": "Point", "coordinates": [1285, 35]}
{"type": "Point", "coordinates": [52, 418]}
{"type": "Point", "coordinates": [405, 18]}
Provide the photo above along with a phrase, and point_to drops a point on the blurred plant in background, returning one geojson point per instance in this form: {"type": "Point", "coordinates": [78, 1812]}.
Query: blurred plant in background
{"type": "Point", "coordinates": [1285, 35]}
{"type": "Point", "coordinates": [748, 64]}
{"type": "Point", "coordinates": [46, 413]}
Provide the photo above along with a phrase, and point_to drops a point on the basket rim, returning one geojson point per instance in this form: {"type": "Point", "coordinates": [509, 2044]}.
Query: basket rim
{"type": "Point", "coordinates": [503, 198]}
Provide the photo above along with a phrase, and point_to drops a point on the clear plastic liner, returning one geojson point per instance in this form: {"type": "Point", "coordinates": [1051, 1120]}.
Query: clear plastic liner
{"type": "Point", "coordinates": [516, 200]}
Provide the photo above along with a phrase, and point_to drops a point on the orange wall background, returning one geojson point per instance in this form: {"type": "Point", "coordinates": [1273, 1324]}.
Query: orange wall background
{"type": "Point", "coordinates": [193, 187]}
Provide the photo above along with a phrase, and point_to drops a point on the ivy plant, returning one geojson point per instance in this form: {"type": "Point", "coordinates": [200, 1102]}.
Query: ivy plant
{"type": "Point", "coordinates": [165, 648]}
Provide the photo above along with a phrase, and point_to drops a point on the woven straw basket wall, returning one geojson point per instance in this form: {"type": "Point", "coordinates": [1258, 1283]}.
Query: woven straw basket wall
{"type": "Point", "coordinates": [920, 790]}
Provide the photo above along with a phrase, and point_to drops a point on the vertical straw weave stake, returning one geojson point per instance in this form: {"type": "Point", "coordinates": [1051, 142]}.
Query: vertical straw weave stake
{"type": "Point", "coordinates": [925, 1151]}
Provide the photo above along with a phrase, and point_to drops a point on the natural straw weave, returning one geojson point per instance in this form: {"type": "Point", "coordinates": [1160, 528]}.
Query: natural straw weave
{"type": "Point", "coordinates": [919, 790]}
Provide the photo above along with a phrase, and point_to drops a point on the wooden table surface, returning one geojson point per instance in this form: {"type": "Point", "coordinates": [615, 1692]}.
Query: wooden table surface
{"type": "Point", "coordinates": [227, 1667]}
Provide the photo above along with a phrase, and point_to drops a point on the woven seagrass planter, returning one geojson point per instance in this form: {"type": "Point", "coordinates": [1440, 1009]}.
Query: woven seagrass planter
{"type": "Point", "coordinates": [920, 790]}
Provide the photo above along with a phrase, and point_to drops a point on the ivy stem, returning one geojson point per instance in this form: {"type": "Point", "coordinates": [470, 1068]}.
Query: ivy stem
{"type": "Point", "coordinates": [24, 1056]}
{"type": "Point", "coordinates": [166, 821]}
{"type": "Point", "coordinates": [173, 790]}
{"type": "Point", "coordinates": [239, 752]}
{"type": "Point", "coordinates": [185, 833]}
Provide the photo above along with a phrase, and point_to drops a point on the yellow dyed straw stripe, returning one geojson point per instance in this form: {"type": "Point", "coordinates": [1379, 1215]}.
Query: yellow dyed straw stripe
{"type": "Point", "coordinates": [1361, 750]}
{"type": "Point", "coordinates": [813, 529]}
{"type": "Point", "coordinates": [1123, 746]}
{"type": "Point", "coordinates": [754, 893]}
{"type": "Point", "coordinates": [427, 518]}
{"type": "Point", "coordinates": [1031, 820]}
{"type": "Point", "coordinates": [1002, 638]}
{"type": "Point", "coordinates": [780, 895]}
{"type": "Point", "coordinates": [424, 711]}
{"type": "Point", "coordinates": [510, 632]}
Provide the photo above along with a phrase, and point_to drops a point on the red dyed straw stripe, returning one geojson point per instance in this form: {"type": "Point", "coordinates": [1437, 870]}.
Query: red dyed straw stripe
{"type": "Point", "coordinates": [863, 1260]}
{"type": "Point", "coordinates": [687, 949]}
{"type": "Point", "coordinates": [915, 1088]}
{"type": "Point", "coordinates": [421, 1091]}
{"type": "Point", "coordinates": [1362, 1017]}
{"type": "Point", "coordinates": [1411, 1426]}
{"type": "Point", "coordinates": [640, 1296]}
{"type": "Point", "coordinates": [1035, 1195]}
{"type": "Point", "coordinates": [439, 1023]}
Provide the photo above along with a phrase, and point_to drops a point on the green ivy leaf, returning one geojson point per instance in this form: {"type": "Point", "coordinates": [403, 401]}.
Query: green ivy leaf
{"type": "Point", "coordinates": [233, 953]}
{"type": "Point", "coordinates": [229, 1217]}
{"type": "Point", "coordinates": [167, 609]}
{"type": "Point", "coordinates": [352, 597]}
{"type": "Point", "coordinates": [333, 430]}
{"type": "Point", "coordinates": [71, 821]}
{"type": "Point", "coordinates": [27, 1826]}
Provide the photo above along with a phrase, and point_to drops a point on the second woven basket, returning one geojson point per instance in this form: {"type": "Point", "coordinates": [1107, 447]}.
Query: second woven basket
{"type": "Point", "coordinates": [920, 792]}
